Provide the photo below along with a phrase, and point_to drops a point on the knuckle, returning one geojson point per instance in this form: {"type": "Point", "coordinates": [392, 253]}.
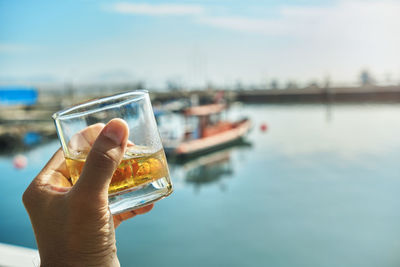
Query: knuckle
{"type": "Point", "coordinates": [27, 196]}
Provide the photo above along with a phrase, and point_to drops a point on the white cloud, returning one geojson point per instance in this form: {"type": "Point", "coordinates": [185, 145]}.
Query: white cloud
{"type": "Point", "coordinates": [358, 17]}
{"type": "Point", "coordinates": [245, 24]}
{"type": "Point", "coordinates": [337, 40]}
{"type": "Point", "coordinates": [156, 10]}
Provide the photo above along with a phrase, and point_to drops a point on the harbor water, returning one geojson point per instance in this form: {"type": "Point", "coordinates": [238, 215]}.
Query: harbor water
{"type": "Point", "coordinates": [319, 186]}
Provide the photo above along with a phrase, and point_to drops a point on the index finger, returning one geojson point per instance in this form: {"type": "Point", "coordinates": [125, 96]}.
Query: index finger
{"type": "Point", "coordinates": [84, 139]}
{"type": "Point", "coordinates": [119, 218]}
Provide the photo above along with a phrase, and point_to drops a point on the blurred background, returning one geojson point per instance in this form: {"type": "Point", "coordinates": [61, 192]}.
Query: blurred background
{"type": "Point", "coordinates": [302, 98]}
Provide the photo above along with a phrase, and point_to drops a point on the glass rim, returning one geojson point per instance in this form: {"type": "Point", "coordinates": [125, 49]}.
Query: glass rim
{"type": "Point", "coordinates": [70, 112]}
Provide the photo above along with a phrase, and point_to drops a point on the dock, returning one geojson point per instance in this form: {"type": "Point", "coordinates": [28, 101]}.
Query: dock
{"type": "Point", "coordinates": [24, 126]}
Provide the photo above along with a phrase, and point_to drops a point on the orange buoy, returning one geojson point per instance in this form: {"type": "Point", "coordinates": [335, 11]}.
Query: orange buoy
{"type": "Point", "coordinates": [20, 161]}
{"type": "Point", "coordinates": [263, 127]}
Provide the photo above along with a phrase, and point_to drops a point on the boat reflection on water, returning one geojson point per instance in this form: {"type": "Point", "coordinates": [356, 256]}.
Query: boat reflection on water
{"type": "Point", "coordinates": [207, 169]}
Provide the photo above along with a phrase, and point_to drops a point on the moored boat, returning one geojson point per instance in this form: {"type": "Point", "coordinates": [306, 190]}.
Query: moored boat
{"type": "Point", "coordinates": [205, 131]}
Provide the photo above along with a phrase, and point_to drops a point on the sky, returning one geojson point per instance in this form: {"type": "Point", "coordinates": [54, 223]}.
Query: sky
{"type": "Point", "coordinates": [195, 43]}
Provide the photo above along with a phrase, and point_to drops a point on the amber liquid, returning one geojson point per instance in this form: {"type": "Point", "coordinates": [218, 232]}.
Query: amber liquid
{"type": "Point", "coordinates": [135, 169]}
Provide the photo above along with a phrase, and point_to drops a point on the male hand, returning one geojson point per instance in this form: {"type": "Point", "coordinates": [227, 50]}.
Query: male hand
{"type": "Point", "coordinates": [73, 225]}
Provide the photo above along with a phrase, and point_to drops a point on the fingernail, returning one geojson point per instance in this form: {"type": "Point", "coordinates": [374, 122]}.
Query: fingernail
{"type": "Point", "coordinates": [113, 132]}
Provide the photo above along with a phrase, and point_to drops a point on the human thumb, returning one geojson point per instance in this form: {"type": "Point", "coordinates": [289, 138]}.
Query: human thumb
{"type": "Point", "coordinates": [103, 159]}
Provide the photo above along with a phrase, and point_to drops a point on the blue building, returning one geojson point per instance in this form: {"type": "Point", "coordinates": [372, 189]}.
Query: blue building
{"type": "Point", "coordinates": [18, 95]}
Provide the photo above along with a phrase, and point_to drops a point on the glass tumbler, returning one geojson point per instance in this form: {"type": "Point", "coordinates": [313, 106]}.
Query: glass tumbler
{"type": "Point", "coordinates": [142, 177]}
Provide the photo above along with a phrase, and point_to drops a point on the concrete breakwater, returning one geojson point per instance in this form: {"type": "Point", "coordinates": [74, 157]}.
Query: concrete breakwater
{"type": "Point", "coordinates": [364, 94]}
{"type": "Point", "coordinates": [313, 94]}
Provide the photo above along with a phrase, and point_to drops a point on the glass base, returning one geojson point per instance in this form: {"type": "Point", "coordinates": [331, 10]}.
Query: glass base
{"type": "Point", "coordinates": [139, 196]}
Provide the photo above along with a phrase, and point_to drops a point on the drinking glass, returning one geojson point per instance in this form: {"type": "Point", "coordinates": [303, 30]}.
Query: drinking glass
{"type": "Point", "coordinates": [142, 177]}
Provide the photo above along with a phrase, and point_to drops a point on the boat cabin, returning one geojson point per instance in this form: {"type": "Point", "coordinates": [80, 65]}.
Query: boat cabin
{"type": "Point", "coordinates": [204, 121]}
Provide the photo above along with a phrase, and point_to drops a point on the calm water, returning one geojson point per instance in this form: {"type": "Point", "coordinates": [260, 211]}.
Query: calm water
{"type": "Point", "coordinates": [319, 188]}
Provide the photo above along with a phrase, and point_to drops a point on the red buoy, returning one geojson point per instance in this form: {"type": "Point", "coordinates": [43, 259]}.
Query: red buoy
{"type": "Point", "coordinates": [20, 161]}
{"type": "Point", "coordinates": [263, 127]}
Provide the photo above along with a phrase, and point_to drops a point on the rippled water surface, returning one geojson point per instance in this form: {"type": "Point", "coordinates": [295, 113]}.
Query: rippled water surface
{"type": "Point", "coordinates": [321, 187]}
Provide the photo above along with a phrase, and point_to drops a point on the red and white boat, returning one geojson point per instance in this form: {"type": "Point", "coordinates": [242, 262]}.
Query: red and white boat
{"type": "Point", "coordinates": [206, 131]}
